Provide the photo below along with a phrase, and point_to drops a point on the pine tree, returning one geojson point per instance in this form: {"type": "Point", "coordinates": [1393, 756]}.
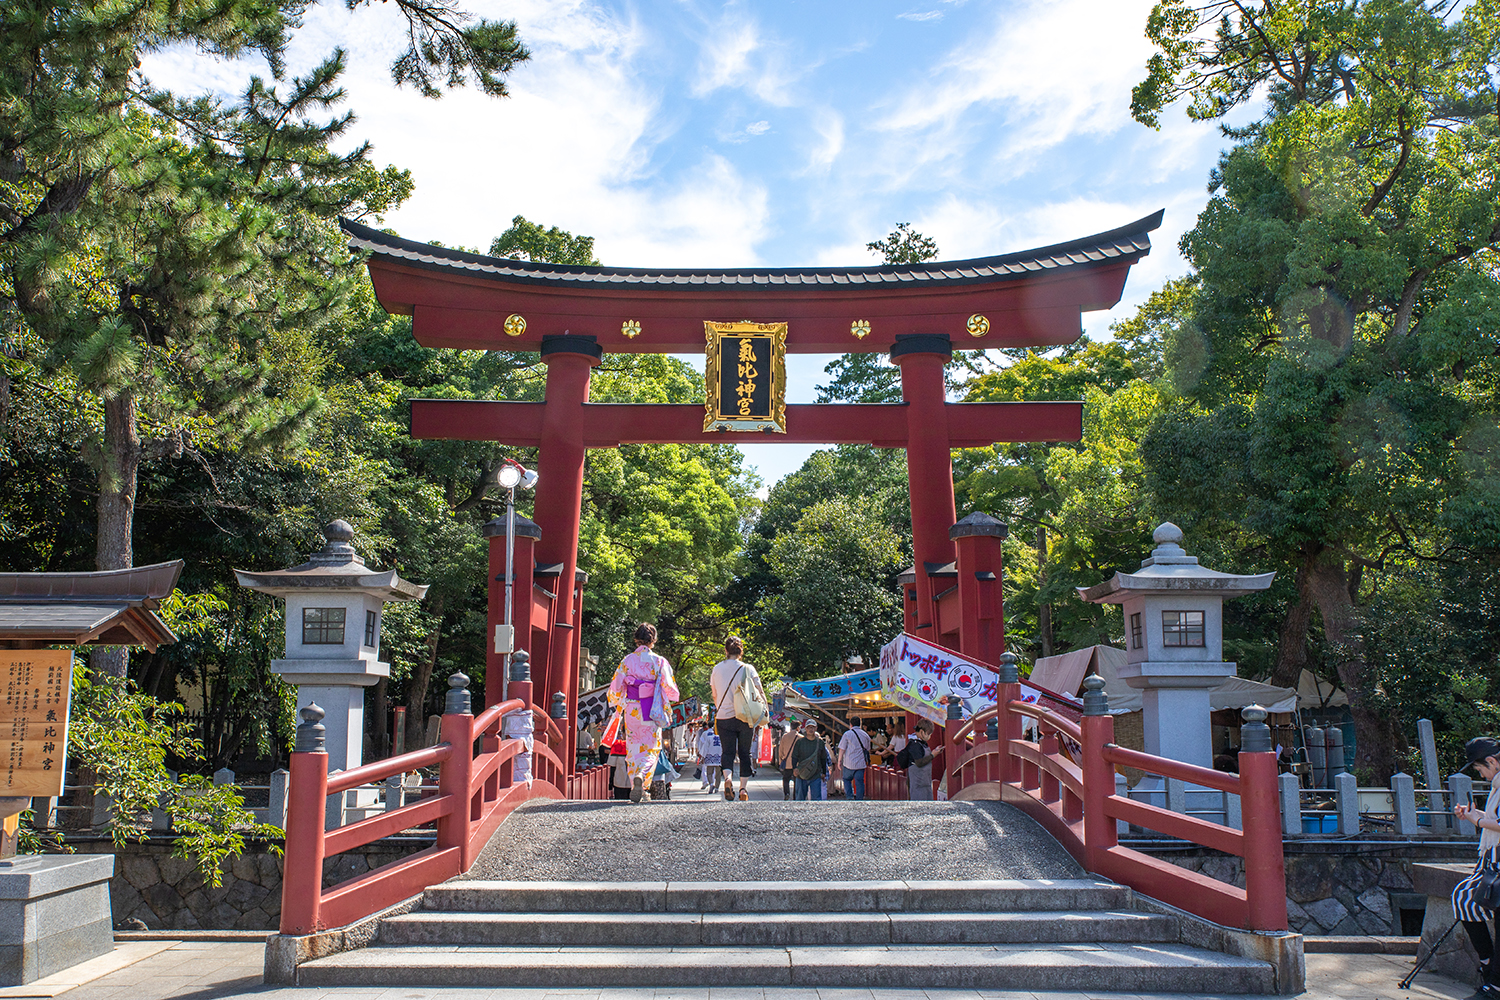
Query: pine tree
{"type": "Point", "coordinates": [158, 244]}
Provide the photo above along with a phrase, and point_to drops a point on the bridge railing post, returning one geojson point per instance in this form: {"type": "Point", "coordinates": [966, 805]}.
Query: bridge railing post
{"type": "Point", "coordinates": [455, 777]}
{"type": "Point", "coordinates": [307, 797]}
{"type": "Point", "coordinates": [954, 746]}
{"type": "Point", "coordinates": [1099, 832]}
{"type": "Point", "coordinates": [1265, 864]}
{"type": "Point", "coordinates": [1009, 727]}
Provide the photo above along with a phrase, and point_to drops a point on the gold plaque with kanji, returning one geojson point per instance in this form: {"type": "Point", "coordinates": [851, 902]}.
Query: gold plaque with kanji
{"type": "Point", "coordinates": [745, 371]}
{"type": "Point", "coordinates": [38, 689]}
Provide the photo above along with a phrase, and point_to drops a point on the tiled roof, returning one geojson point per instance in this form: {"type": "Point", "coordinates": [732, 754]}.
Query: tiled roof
{"type": "Point", "coordinates": [1127, 243]}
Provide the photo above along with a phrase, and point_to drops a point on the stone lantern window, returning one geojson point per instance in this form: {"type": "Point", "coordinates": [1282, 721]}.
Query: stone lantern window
{"type": "Point", "coordinates": [323, 626]}
{"type": "Point", "coordinates": [1182, 628]}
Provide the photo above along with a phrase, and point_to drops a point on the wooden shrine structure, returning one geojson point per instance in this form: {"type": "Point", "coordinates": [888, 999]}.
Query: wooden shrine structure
{"type": "Point", "coordinates": [745, 320]}
{"type": "Point", "coordinates": [917, 313]}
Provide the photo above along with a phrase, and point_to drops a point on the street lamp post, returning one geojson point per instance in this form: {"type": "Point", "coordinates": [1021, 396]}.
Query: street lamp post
{"type": "Point", "coordinates": [511, 475]}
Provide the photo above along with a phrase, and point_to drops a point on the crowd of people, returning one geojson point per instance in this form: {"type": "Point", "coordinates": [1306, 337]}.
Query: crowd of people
{"type": "Point", "coordinates": [639, 745]}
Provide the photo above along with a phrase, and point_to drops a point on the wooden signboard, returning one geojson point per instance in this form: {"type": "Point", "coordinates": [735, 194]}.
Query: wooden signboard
{"type": "Point", "coordinates": [38, 686]}
{"type": "Point", "coordinates": [746, 374]}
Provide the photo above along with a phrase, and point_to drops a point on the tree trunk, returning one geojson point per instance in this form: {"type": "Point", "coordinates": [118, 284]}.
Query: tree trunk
{"type": "Point", "coordinates": [380, 708]}
{"type": "Point", "coordinates": [118, 469]}
{"type": "Point", "coordinates": [1291, 650]}
{"type": "Point", "coordinates": [1043, 608]}
{"type": "Point", "coordinates": [1375, 734]}
{"type": "Point", "coordinates": [416, 685]}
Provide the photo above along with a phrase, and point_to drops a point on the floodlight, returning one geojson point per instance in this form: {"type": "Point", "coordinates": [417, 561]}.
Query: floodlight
{"type": "Point", "coordinates": [510, 475]}
{"type": "Point", "coordinates": [528, 480]}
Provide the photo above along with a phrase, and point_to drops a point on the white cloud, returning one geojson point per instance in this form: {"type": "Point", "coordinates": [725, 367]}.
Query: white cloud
{"type": "Point", "coordinates": [828, 124]}
{"type": "Point", "coordinates": [733, 55]}
{"type": "Point", "coordinates": [573, 145]}
{"type": "Point", "coordinates": [1054, 68]}
{"type": "Point", "coordinates": [758, 128]}
{"type": "Point", "coordinates": [925, 15]}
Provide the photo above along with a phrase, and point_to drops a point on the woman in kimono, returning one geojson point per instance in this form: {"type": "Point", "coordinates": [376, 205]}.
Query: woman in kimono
{"type": "Point", "coordinates": [632, 691]}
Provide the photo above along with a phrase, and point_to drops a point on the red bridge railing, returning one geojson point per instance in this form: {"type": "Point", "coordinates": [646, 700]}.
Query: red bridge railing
{"type": "Point", "coordinates": [1065, 779]}
{"type": "Point", "coordinates": [476, 791]}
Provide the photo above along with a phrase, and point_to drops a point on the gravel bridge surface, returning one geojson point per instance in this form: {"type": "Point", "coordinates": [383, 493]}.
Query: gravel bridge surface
{"type": "Point", "coordinates": [753, 841]}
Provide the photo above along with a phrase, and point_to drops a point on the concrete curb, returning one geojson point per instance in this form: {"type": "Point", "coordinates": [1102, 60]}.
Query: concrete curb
{"type": "Point", "coordinates": [285, 952]}
{"type": "Point", "coordinates": [1282, 950]}
{"type": "Point", "coordinates": [1360, 945]}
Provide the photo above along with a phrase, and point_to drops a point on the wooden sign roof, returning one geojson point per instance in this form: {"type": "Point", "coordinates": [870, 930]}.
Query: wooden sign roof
{"type": "Point", "coordinates": [105, 608]}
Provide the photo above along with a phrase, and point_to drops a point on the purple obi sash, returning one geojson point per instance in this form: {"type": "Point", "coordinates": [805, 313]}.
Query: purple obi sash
{"type": "Point", "coordinates": [642, 693]}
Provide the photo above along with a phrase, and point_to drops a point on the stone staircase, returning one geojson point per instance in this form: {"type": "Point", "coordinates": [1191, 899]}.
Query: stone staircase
{"type": "Point", "coordinates": [1005, 934]}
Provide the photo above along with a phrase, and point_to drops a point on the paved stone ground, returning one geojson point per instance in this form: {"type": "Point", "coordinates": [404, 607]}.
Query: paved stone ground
{"type": "Point", "coordinates": [767, 839]}
{"type": "Point", "coordinates": [211, 971]}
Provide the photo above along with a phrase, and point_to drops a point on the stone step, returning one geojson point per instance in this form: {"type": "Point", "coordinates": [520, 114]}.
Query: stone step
{"type": "Point", "coordinates": [773, 929]}
{"type": "Point", "coordinates": [1123, 967]}
{"type": "Point", "coordinates": [990, 896]}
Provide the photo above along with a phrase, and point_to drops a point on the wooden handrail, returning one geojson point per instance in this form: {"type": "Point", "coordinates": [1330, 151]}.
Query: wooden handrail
{"type": "Point", "coordinates": [1125, 757]}
{"type": "Point", "coordinates": [476, 793]}
{"type": "Point", "coordinates": [381, 769]}
{"type": "Point", "coordinates": [484, 720]}
{"type": "Point", "coordinates": [1077, 804]}
{"type": "Point", "coordinates": [1047, 718]}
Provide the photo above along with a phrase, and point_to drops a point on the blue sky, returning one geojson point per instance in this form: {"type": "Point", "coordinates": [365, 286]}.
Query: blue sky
{"type": "Point", "coordinates": [690, 134]}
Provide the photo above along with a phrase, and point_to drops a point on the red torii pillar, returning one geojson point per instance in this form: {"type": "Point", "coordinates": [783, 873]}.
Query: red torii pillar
{"type": "Point", "coordinates": [559, 509]}
{"type": "Point", "coordinates": [929, 462]}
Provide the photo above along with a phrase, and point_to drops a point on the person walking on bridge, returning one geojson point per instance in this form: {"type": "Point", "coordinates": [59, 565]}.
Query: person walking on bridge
{"type": "Point", "coordinates": [919, 772]}
{"type": "Point", "coordinates": [735, 734]}
{"type": "Point", "coordinates": [633, 691]}
{"type": "Point", "coordinates": [854, 757]}
{"type": "Point", "coordinates": [708, 757]}
{"type": "Point", "coordinates": [809, 763]}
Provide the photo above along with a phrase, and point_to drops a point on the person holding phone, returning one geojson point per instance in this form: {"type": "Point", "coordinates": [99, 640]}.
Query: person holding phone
{"type": "Point", "coordinates": [1484, 757]}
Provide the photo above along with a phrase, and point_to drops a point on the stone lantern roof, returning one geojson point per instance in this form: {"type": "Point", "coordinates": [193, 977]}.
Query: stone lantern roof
{"type": "Point", "coordinates": [1170, 570]}
{"type": "Point", "coordinates": [336, 567]}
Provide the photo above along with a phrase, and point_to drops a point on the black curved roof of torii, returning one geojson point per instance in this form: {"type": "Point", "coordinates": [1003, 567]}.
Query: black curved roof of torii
{"type": "Point", "coordinates": [1128, 242]}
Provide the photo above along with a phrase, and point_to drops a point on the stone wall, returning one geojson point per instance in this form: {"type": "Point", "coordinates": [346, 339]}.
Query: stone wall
{"type": "Point", "coordinates": [168, 893]}
{"type": "Point", "coordinates": [1332, 887]}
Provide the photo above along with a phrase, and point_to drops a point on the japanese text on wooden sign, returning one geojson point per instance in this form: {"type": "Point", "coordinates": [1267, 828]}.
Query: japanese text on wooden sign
{"type": "Point", "coordinates": [34, 720]}
{"type": "Point", "coordinates": [745, 370]}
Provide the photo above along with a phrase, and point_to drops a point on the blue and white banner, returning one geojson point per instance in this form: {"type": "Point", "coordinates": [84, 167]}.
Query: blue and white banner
{"type": "Point", "coordinates": [838, 688]}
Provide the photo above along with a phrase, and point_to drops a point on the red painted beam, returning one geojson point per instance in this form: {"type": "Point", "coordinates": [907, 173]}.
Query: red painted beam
{"type": "Point", "coordinates": [970, 425]}
{"type": "Point", "coordinates": [469, 312]}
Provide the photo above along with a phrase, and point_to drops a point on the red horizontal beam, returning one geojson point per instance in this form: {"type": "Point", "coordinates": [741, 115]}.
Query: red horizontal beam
{"type": "Point", "coordinates": [606, 425]}
{"type": "Point", "coordinates": [469, 312]}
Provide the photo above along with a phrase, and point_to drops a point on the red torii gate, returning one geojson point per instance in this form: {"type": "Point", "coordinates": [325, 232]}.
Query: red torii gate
{"type": "Point", "coordinates": [916, 312]}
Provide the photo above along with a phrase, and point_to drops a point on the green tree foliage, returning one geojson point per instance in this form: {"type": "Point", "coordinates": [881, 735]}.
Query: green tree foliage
{"type": "Point", "coordinates": [871, 378]}
{"type": "Point", "coordinates": [123, 738]}
{"type": "Point", "coordinates": [661, 526]}
{"type": "Point", "coordinates": [865, 483]}
{"type": "Point", "coordinates": [1336, 362]}
{"type": "Point", "coordinates": [526, 240]}
{"type": "Point", "coordinates": [1078, 511]}
{"type": "Point", "coordinates": [838, 596]}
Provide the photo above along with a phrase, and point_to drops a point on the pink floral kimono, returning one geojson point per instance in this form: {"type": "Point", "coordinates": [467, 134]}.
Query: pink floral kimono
{"type": "Point", "coordinates": [632, 691]}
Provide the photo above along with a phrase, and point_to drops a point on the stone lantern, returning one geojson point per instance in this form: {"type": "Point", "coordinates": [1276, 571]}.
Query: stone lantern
{"type": "Point", "coordinates": [1174, 643]}
{"type": "Point", "coordinates": [333, 610]}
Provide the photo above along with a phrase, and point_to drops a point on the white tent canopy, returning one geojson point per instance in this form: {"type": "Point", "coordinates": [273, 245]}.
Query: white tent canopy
{"type": "Point", "coordinates": [1065, 672]}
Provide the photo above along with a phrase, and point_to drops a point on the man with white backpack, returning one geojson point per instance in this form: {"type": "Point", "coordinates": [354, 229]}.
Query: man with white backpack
{"type": "Point", "coordinates": [741, 707]}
